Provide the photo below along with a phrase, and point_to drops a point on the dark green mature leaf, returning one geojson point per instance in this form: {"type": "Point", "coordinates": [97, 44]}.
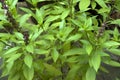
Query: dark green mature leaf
{"type": "Point", "coordinates": [28, 60]}
{"type": "Point", "coordinates": [90, 74]}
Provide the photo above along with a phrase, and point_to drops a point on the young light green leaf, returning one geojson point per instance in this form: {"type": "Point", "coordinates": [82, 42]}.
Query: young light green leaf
{"type": "Point", "coordinates": [96, 61]}
{"type": "Point", "coordinates": [36, 34]}
{"type": "Point", "coordinates": [19, 35]}
{"type": "Point", "coordinates": [65, 14]}
{"type": "Point", "coordinates": [115, 51]}
{"type": "Point", "coordinates": [11, 50]}
{"type": "Point", "coordinates": [55, 54]}
{"type": "Point", "coordinates": [101, 3]}
{"type": "Point", "coordinates": [28, 73]}
{"type": "Point", "coordinates": [14, 2]}
{"type": "Point", "coordinates": [23, 19]}
{"type": "Point", "coordinates": [93, 4]}
{"type": "Point", "coordinates": [113, 63]}
{"type": "Point", "coordinates": [41, 51]}
{"type": "Point", "coordinates": [110, 44]}
{"type": "Point", "coordinates": [39, 16]}
{"type": "Point", "coordinates": [30, 48]}
{"type": "Point", "coordinates": [74, 37]}
{"type": "Point", "coordinates": [74, 51]}
{"type": "Point", "coordinates": [52, 70]}
{"type": "Point", "coordinates": [90, 74]}
{"type": "Point", "coordinates": [88, 46]}
{"type": "Point", "coordinates": [72, 72]}
{"type": "Point", "coordinates": [28, 60]}
{"type": "Point", "coordinates": [14, 57]}
{"type": "Point", "coordinates": [117, 21]}
{"type": "Point", "coordinates": [83, 5]}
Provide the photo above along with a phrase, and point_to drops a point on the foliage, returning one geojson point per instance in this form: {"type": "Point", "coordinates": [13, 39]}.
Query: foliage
{"type": "Point", "coordinates": [60, 40]}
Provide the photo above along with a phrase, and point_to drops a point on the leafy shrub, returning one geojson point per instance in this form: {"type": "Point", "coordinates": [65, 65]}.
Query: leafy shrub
{"type": "Point", "coordinates": [57, 39]}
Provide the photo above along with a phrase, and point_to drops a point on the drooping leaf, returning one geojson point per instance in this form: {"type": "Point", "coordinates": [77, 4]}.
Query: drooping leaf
{"type": "Point", "coordinates": [113, 63]}
{"type": "Point", "coordinates": [28, 60]}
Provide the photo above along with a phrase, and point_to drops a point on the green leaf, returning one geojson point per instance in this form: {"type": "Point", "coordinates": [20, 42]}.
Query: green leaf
{"type": "Point", "coordinates": [72, 72]}
{"type": "Point", "coordinates": [14, 2]}
{"type": "Point", "coordinates": [88, 46]}
{"type": "Point", "coordinates": [93, 4]}
{"type": "Point", "coordinates": [19, 35]}
{"type": "Point", "coordinates": [83, 5]}
{"type": "Point", "coordinates": [11, 50]}
{"type": "Point", "coordinates": [36, 34]}
{"type": "Point", "coordinates": [14, 57]}
{"type": "Point", "coordinates": [113, 63]}
{"type": "Point", "coordinates": [52, 70]}
{"type": "Point", "coordinates": [96, 61]}
{"type": "Point", "coordinates": [116, 34]}
{"type": "Point", "coordinates": [28, 73]}
{"type": "Point", "coordinates": [74, 51]}
{"type": "Point", "coordinates": [23, 19]}
{"type": "Point", "coordinates": [30, 48]}
{"type": "Point", "coordinates": [117, 21]}
{"type": "Point", "coordinates": [115, 51]}
{"type": "Point", "coordinates": [39, 16]}
{"type": "Point", "coordinates": [101, 3]}
{"type": "Point", "coordinates": [65, 14]}
{"type": "Point", "coordinates": [9, 66]}
{"type": "Point", "coordinates": [90, 74]}
{"type": "Point", "coordinates": [74, 37]}
{"type": "Point", "coordinates": [52, 18]}
{"type": "Point", "coordinates": [55, 54]}
{"type": "Point", "coordinates": [41, 51]}
{"type": "Point", "coordinates": [28, 60]}
{"type": "Point", "coordinates": [110, 44]}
